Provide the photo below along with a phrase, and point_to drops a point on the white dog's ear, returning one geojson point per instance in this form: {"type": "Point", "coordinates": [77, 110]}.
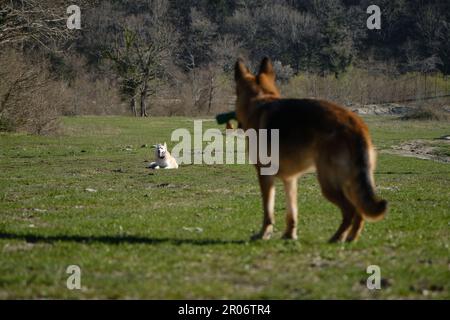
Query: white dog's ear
{"type": "Point", "coordinates": [165, 145]}
{"type": "Point", "coordinates": [154, 146]}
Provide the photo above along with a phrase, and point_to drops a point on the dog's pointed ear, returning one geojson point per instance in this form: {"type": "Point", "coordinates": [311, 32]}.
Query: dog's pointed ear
{"type": "Point", "coordinates": [165, 145]}
{"type": "Point", "coordinates": [240, 70]}
{"type": "Point", "coordinates": [154, 146]}
{"type": "Point", "coordinates": [266, 68]}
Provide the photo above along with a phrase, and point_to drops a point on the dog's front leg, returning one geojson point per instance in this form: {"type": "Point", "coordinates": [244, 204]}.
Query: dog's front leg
{"type": "Point", "coordinates": [290, 186]}
{"type": "Point", "coordinates": [266, 184]}
{"type": "Point", "coordinates": [153, 165]}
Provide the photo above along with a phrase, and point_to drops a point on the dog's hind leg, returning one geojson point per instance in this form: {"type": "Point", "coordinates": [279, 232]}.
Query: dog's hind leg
{"type": "Point", "coordinates": [266, 184]}
{"type": "Point", "coordinates": [348, 215]}
{"type": "Point", "coordinates": [290, 187]}
{"type": "Point", "coordinates": [357, 227]}
{"type": "Point", "coordinates": [348, 210]}
{"type": "Point", "coordinates": [332, 172]}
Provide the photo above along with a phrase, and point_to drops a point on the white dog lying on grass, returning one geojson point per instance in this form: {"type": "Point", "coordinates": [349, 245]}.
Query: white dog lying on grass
{"type": "Point", "coordinates": [163, 158]}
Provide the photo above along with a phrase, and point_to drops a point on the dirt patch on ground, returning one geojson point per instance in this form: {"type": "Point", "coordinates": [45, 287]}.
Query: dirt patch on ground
{"type": "Point", "coordinates": [422, 149]}
{"type": "Point", "coordinates": [381, 109]}
{"type": "Point", "coordinates": [395, 109]}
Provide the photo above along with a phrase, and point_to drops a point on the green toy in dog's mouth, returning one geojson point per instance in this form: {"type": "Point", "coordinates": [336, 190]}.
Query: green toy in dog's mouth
{"type": "Point", "coordinates": [222, 118]}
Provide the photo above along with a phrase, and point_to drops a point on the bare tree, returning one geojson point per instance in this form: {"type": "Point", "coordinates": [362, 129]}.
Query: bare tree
{"type": "Point", "coordinates": [223, 52]}
{"type": "Point", "coordinates": [38, 21]}
{"type": "Point", "coordinates": [141, 49]}
{"type": "Point", "coordinates": [205, 79]}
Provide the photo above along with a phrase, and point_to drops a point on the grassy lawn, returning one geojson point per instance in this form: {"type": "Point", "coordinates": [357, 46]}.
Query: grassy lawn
{"type": "Point", "coordinates": [185, 233]}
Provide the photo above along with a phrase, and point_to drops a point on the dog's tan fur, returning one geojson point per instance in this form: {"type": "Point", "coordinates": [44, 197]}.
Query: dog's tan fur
{"type": "Point", "coordinates": [313, 134]}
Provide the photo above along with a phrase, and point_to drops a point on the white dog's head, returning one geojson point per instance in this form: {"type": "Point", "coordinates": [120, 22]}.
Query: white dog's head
{"type": "Point", "coordinates": [161, 150]}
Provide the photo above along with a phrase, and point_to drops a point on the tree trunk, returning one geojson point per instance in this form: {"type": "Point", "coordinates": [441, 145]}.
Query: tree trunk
{"type": "Point", "coordinates": [143, 102]}
{"type": "Point", "coordinates": [133, 106]}
{"type": "Point", "coordinates": [211, 89]}
{"type": "Point", "coordinates": [425, 94]}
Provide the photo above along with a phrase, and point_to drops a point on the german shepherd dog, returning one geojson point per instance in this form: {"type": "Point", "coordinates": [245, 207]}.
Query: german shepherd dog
{"type": "Point", "coordinates": [312, 134]}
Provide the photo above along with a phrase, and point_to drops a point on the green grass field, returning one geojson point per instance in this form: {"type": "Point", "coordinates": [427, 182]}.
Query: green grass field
{"type": "Point", "coordinates": [185, 233]}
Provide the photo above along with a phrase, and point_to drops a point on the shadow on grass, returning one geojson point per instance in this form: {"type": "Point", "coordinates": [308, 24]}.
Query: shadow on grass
{"type": "Point", "coordinates": [31, 238]}
{"type": "Point", "coordinates": [395, 172]}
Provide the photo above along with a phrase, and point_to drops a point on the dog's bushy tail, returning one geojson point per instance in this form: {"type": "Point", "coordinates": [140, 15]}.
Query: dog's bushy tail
{"type": "Point", "coordinates": [372, 208]}
{"type": "Point", "coordinates": [362, 192]}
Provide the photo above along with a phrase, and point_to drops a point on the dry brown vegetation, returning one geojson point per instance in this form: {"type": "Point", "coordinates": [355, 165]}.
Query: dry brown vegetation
{"type": "Point", "coordinates": [29, 99]}
{"type": "Point", "coordinates": [428, 112]}
{"type": "Point", "coordinates": [32, 99]}
{"type": "Point", "coordinates": [371, 86]}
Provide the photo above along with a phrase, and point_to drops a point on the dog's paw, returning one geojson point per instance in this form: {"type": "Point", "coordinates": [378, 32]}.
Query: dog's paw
{"type": "Point", "coordinates": [153, 165]}
{"type": "Point", "coordinates": [351, 237]}
{"type": "Point", "coordinates": [265, 234]}
{"type": "Point", "coordinates": [290, 235]}
{"type": "Point", "coordinates": [337, 239]}
{"type": "Point", "coordinates": [261, 236]}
